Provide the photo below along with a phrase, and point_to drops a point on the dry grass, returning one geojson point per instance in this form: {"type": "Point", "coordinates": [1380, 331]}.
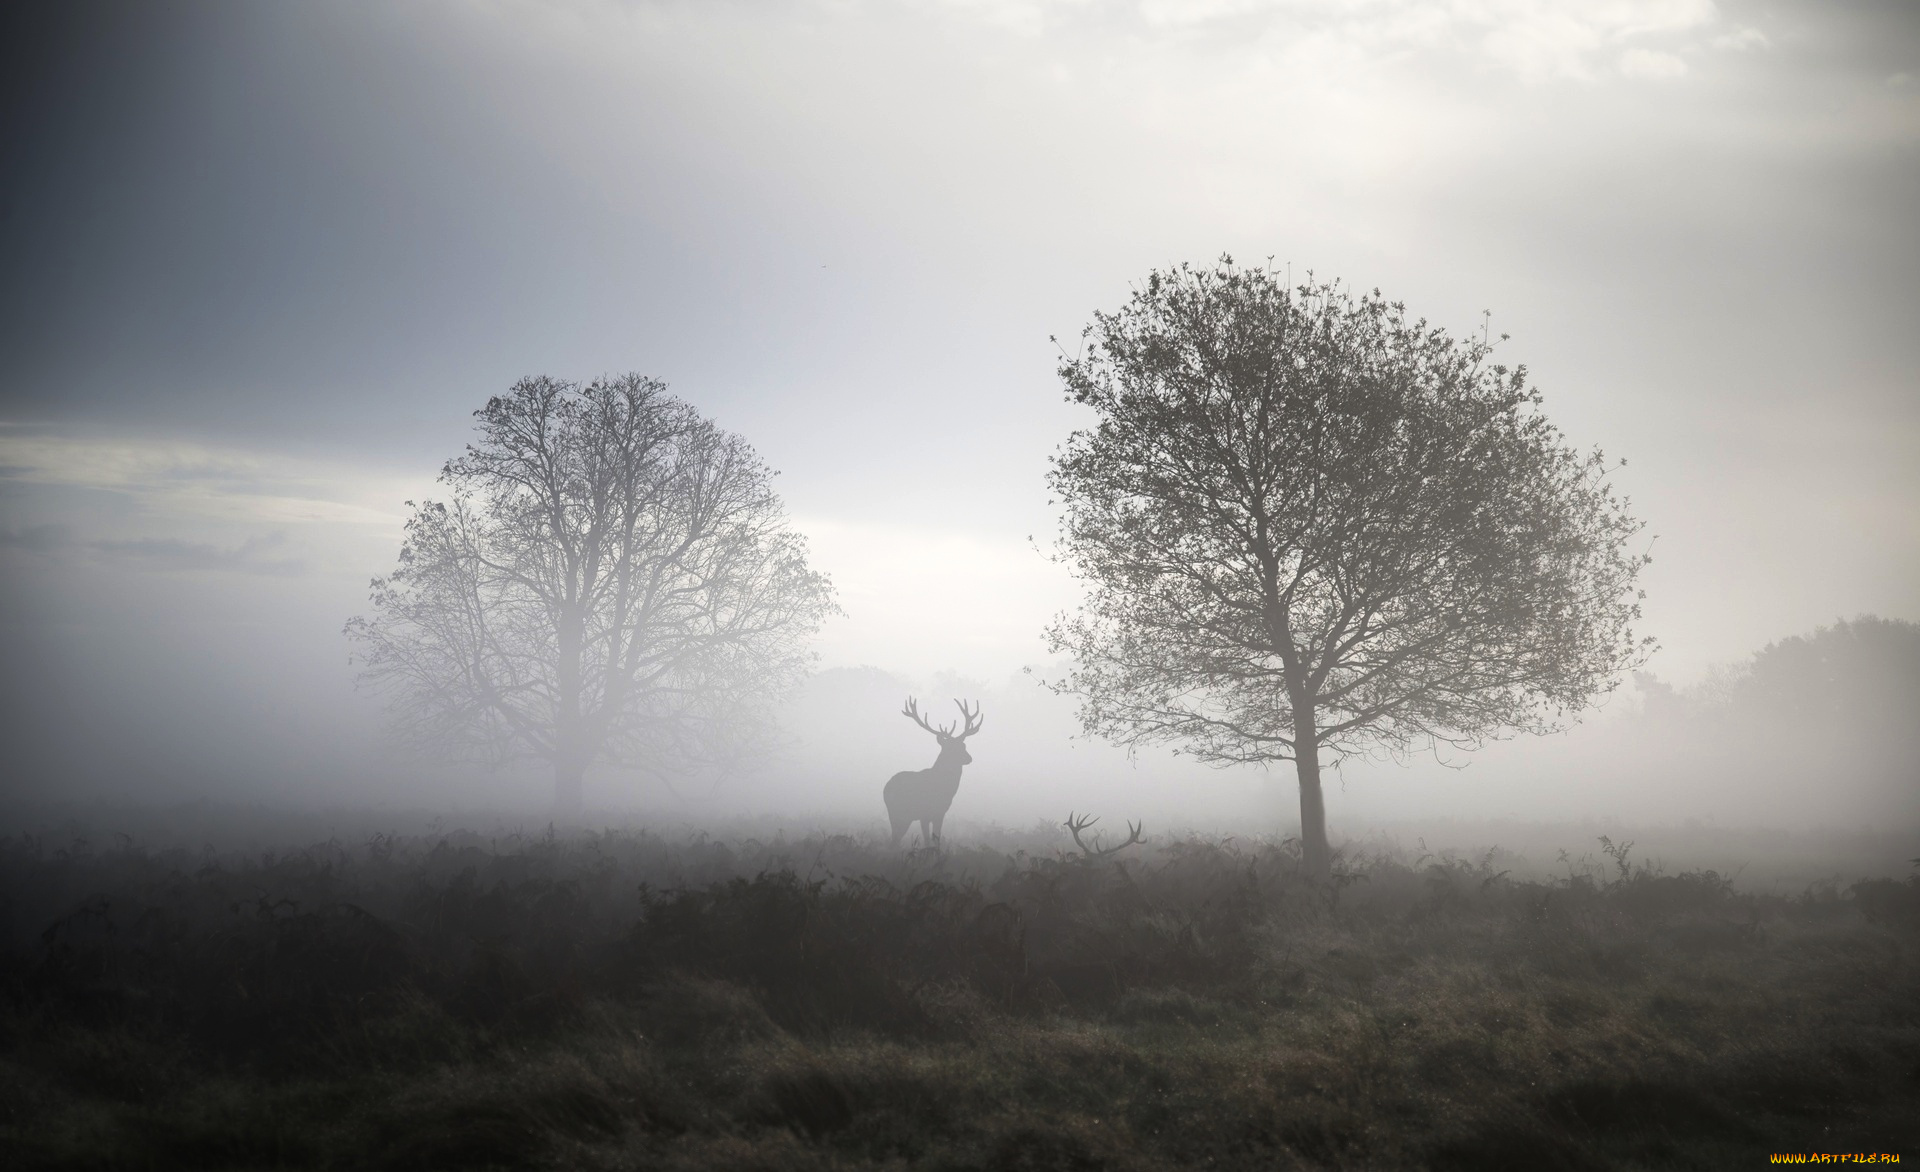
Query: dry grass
{"type": "Point", "coordinates": [626, 1001]}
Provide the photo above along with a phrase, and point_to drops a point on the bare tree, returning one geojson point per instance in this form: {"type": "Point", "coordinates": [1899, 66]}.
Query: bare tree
{"type": "Point", "coordinates": [611, 579]}
{"type": "Point", "coordinates": [1309, 528]}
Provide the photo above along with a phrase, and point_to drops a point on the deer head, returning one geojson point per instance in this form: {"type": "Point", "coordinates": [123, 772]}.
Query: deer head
{"type": "Point", "coordinates": [953, 746]}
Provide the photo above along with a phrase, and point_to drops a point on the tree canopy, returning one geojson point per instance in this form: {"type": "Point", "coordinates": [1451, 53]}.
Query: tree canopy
{"type": "Point", "coordinates": [1310, 527]}
{"type": "Point", "coordinates": [611, 579]}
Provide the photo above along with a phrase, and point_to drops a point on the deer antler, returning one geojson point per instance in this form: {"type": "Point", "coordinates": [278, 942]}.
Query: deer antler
{"type": "Point", "coordinates": [912, 712]}
{"type": "Point", "coordinates": [973, 718]}
{"type": "Point", "coordinates": [1076, 824]}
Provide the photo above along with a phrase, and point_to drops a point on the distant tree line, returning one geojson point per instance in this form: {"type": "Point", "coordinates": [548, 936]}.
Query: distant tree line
{"type": "Point", "coordinates": [1850, 690]}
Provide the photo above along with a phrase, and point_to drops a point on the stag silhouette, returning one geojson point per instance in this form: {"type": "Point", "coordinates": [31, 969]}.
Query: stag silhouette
{"type": "Point", "coordinates": [924, 795]}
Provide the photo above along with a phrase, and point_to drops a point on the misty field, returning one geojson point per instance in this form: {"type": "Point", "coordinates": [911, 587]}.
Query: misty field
{"type": "Point", "coordinates": [627, 1000]}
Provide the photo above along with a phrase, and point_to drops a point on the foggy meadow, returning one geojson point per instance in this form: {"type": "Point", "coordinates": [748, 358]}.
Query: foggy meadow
{"type": "Point", "coordinates": [1013, 586]}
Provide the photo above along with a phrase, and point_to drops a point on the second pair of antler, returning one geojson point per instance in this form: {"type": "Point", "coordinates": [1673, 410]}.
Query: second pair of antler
{"type": "Point", "coordinates": [1076, 823]}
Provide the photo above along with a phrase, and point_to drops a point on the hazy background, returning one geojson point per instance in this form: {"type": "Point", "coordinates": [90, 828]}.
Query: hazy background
{"type": "Point", "coordinates": [258, 263]}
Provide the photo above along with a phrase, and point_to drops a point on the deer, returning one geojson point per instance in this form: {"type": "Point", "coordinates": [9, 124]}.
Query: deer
{"type": "Point", "coordinates": [923, 795]}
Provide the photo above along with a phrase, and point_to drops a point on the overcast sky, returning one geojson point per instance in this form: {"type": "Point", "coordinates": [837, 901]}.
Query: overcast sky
{"type": "Point", "coordinates": [259, 262]}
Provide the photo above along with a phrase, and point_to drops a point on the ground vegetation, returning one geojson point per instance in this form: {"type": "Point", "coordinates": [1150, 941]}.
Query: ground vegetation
{"type": "Point", "coordinates": [627, 1000]}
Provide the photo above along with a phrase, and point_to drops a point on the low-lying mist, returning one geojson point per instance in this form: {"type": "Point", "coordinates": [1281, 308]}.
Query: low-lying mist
{"type": "Point", "coordinates": [139, 684]}
{"type": "Point", "coordinates": [207, 692]}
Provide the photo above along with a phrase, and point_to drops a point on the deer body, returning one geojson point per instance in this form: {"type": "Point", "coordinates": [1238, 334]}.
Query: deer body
{"type": "Point", "coordinates": [925, 795]}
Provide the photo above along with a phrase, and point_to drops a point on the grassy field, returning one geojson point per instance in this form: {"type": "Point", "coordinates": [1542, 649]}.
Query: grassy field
{"type": "Point", "coordinates": [625, 1000]}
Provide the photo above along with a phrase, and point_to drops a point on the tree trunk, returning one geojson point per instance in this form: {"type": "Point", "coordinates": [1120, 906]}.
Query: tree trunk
{"type": "Point", "coordinates": [569, 775]}
{"type": "Point", "coordinates": [569, 761]}
{"type": "Point", "coordinates": [1313, 807]}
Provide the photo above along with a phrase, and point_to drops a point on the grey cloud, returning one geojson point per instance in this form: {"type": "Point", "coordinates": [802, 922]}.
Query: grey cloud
{"type": "Point", "coordinates": [162, 553]}
{"type": "Point", "coordinates": [170, 554]}
{"type": "Point", "coordinates": [38, 538]}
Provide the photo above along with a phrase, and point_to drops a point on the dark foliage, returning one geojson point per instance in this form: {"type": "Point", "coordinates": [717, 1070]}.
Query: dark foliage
{"type": "Point", "coordinates": [625, 1000]}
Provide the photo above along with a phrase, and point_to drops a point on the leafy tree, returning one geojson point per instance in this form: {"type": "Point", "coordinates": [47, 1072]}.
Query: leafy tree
{"type": "Point", "coordinates": [1310, 528]}
{"type": "Point", "coordinates": [612, 578]}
